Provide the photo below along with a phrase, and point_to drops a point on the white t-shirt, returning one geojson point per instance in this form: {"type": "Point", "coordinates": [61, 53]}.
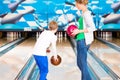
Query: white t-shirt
{"type": "Point", "coordinates": [45, 39]}
{"type": "Point", "coordinates": [89, 24]}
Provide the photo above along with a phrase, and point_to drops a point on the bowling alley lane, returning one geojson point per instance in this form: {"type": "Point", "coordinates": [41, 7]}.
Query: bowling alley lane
{"type": "Point", "coordinates": [3, 41]}
{"type": "Point", "coordinates": [6, 40]}
{"type": "Point", "coordinates": [13, 61]}
{"type": "Point", "coordinates": [108, 55]}
{"type": "Point", "coordinates": [115, 41]}
{"type": "Point", "coordinates": [67, 70]}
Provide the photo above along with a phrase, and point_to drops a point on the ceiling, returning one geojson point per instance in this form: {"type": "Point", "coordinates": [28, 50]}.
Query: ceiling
{"type": "Point", "coordinates": [62, 11]}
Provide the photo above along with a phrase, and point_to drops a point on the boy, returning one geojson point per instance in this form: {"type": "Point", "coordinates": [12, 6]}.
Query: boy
{"type": "Point", "coordinates": [46, 38]}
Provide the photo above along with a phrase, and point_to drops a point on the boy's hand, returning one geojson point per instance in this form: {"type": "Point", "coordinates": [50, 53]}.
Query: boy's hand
{"type": "Point", "coordinates": [55, 57]}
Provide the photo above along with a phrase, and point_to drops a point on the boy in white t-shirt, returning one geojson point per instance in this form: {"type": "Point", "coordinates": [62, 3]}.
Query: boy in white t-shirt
{"type": "Point", "coordinates": [46, 38]}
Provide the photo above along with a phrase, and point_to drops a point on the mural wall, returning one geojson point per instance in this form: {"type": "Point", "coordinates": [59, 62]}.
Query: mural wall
{"type": "Point", "coordinates": [29, 15]}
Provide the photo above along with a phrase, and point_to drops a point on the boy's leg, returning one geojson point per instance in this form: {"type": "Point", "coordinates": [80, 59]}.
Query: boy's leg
{"type": "Point", "coordinates": [42, 62]}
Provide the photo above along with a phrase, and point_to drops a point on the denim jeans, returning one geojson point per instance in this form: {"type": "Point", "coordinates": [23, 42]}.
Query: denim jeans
{"type": "Point", "coordinates": [82, 49]}
{"type": "Point", "coordinates": [42, 63]}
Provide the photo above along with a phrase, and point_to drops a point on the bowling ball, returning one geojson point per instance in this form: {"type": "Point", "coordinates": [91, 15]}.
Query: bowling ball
{"type": "Point", "coordinates": [70, 30]}
{"type": "Point", "coordinates": [48, 50]}
{"type": "Point", "coordinates": [54, 61]}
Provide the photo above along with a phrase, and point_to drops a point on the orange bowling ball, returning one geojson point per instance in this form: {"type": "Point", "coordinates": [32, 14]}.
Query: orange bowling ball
{"type": "Point", "coordinates": [55, 62]}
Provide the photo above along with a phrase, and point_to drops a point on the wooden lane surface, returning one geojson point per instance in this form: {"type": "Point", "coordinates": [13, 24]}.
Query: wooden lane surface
{"type": "Point", "coordinates": [13, 61]}
{"type": "Point", "coordinates": [68, 69]}
{"type": "Point", "coordinates": [108, 55]}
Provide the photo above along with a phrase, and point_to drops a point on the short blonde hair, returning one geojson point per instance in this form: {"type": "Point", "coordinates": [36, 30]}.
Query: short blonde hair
{"type": "Point", "coordinates": [85, 2]}
{"type": "Point", "coordinates": [53, 25]}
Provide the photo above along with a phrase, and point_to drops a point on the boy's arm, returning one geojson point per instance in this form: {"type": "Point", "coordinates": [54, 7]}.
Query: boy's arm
{"type": "Point", "coordinates": [49, 46]}
{"type": "Point", "coordinates": [54, 50]}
